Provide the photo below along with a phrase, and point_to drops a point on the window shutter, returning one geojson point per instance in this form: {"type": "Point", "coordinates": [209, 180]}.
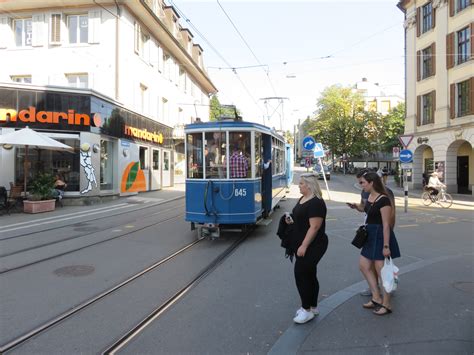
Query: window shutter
{"type": "Point", "coordinates": [55, 29]}
{"type": "Point", "coordinates": [450, 50]}
{"type": "Point", "coordinates": [471, 42]}
{"type": "Point", "coordinates": [418, 110]}
{"type": "Point", "coordinates": [433, 105]}
{"type": "Point", "coordinates": [4, 32]}
{"type": "Point", "coordinates": [471, 96]}
{"type": "Point", "coordinates": [433, 23]}
{"type": "Point", "coordinates": [452, 100]}
{"type": "Point", "coordinates": [418, 65]}
{"type": "Point", "coordinates": [451, 7]}
{"type": "Point", "coordinates": [38, 32]}
{"type": "Point", "coordinates": [433, 58]}
{"type": "Point", "coordinates": [137, 38]}
{"type": "Point", "coordinates": [418, 21]}
{"type": "Point", "coordinates": [94, 26]}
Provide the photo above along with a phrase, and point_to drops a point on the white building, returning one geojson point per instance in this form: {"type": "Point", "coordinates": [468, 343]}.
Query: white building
{"type": "Point", "coordinates": [128, 62]}
{"type": "Point", "coordinates": [375, 98]}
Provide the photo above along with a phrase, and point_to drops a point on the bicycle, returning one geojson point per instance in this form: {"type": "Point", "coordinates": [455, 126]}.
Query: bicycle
{"type": "Point", "coordinates": [443, 199]}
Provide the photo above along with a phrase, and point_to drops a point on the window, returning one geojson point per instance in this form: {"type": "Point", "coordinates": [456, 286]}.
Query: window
{"type": "Point", "coordinates": [427, 17]}
{"type": "Point", "coordinates": [23, 32]}
{"type": "Point", "coordinates": [78, 80]}
{"type": "Point", "coordinates": [194, 155]}
{"type": "Point", "coordinates": [464, 45]}
{"type": "Point", "coordinates": [78, 26]}
{"type": "Point", "coordinates": [214, 155]}
{"type": "Point", "coordinates": [427, 58]}
{"type": "Point", "coordinates": [427, 105]}
{"type": "Point", "coordinates": [156, 159]}
{"type": "Point", "coordinates": [143, 156]}
{"type": "Point", "coordinates": [462, 4]}
{"type": "Point", "coordinates": [25, 79]}
{"type": "Point", "coordinates": [239, 155]}
{"type": "Point", "coordinates": [385, 106]}
{"type": "Point", "coordinates": [462, 99]}
{"type": "Point", "coordinates": [141, 42]}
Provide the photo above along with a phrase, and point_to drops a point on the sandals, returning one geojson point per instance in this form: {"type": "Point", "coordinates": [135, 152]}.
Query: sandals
{"type": "Point", "coordinates": [385, 310]}
{"type": "Point", "coordinates": [371, 305]}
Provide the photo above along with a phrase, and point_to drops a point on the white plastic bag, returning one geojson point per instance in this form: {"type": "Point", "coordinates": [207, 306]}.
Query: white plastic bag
{"type": "Point", "coordinates": [389, 275]}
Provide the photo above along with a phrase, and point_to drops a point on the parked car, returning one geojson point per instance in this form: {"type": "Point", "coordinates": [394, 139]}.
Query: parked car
{"type": "Point", "coordinates": [327, 172]}
{"type": "Point", "coordinates": [303, 162]}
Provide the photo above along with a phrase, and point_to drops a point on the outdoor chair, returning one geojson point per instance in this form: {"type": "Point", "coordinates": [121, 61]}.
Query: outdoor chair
{"type": "Point", "coordinates": [15, 198]}
{"type": "Point", "coordinates": [3, 199]}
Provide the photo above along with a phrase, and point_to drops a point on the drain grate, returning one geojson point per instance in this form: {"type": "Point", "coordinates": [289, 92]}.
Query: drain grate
{"type": "Point", "coordinates": [74, 271]}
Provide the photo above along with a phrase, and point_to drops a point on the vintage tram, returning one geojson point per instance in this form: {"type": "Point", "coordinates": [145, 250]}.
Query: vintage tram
{"type": "Point", "coordinates": [237, 172]}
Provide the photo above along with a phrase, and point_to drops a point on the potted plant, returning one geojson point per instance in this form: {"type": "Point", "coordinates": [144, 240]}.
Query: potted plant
{"type": "Point", "coordinates": [41, 197]}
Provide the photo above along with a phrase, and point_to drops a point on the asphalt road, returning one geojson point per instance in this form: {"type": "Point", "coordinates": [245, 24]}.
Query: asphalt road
{"type": "Point", "coordinates": [247, 304]}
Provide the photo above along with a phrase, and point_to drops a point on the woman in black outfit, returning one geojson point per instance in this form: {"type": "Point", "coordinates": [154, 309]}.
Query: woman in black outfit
{"type": "Point", "coordinates": [381, 241]}
{"type": "Point", "coordinates": [310, 242]}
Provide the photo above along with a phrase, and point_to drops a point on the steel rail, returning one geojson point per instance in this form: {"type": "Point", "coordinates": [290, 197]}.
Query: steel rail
{"type": "Point", "coordinates": [28, 335]}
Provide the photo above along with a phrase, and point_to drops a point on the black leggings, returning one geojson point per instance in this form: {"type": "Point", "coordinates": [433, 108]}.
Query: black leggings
{"type": "Point", "coordinates": [306, 273]}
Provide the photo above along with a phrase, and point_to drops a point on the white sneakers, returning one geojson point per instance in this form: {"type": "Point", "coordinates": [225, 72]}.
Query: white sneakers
{"type": "Point", "coordinates": [303, 316]}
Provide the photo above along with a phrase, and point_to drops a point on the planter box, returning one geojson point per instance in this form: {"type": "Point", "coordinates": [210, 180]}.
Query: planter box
{"type": "Point", "coordinates": [38, 206]}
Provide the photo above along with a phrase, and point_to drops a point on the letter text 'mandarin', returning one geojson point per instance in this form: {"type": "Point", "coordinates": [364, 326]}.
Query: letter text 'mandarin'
{"type": "Point", "coordinates": [31, 116]}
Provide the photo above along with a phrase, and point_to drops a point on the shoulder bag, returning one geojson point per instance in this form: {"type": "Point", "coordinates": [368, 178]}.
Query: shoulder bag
{"type": "Point", "coordinates": [361, 233]}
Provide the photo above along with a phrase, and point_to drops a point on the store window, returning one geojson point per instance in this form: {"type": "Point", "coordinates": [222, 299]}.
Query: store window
{"type": "Point", "coordinates": [106, 165]}
{"type": "Point", "coordinates": [239, 151]}
{"type": "Point", "coordinates": [214, 154]}
{"type": "Point", "coordinates": [166, 161]}
{"type": "Point", "coordinates": [66, 164]}
{"type": "Point", "coordinates": [194, 155]}
{"type": "Point", "coordinates": [156, 159]}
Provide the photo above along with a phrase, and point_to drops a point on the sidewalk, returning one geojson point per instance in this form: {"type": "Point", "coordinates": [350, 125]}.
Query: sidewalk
{"type": "Point", "coordinates": [148, 197]}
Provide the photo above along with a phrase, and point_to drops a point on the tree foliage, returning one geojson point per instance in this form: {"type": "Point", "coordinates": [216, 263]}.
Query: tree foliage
{"type": "Point", "coordinates": [217, 110]}
{"type": "Point", "coordinates": [340, 121]}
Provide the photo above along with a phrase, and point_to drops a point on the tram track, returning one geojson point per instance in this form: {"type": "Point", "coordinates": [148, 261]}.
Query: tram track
{"type": "Point", "coordinates": [82, 247]}
{"type": "Point", "coordinates": [129, 335]}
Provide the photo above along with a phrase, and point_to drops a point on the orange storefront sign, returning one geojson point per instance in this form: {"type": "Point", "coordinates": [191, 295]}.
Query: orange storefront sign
{"type": "Point", "coordinates": [33, 116]}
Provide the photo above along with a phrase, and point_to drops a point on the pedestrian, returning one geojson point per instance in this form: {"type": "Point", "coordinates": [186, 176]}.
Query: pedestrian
{"type": "Point", "coordinates": [310, 242]}
{"type": "Point", "coordinates": [384, 175]}
{"type": "Point", "coordinates": [381, 241]}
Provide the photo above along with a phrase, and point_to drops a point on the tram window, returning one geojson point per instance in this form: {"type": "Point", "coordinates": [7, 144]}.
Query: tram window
{"type": "Point", "coordinates": [143, 158]}
{"type": "Point", "coordinates": [194, 155]}
{"type": "Point", "coordinates": [239, 160]}
{"type": "Point", "coordinates": [258, 154]}
{"type": "Point", "coordinates": [214, 154]}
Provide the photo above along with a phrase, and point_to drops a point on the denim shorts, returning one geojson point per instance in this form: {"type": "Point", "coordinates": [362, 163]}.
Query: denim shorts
{"type": "Point", "coordinates": [373, 248]}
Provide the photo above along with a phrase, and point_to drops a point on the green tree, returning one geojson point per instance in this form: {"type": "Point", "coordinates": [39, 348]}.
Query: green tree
{"type": "Point", "coordinates": [215, 109]}
{"type": "Point", "coordinates": [340, 122]}
{"type": "Point", "coordinates": [393, 125]}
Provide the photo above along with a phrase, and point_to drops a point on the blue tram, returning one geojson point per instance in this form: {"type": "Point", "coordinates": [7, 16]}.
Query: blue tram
{"type": "Point", "coordinates": [237, 173]}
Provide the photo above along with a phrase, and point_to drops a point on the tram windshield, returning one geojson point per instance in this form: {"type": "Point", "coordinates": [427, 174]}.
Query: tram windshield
{"type": "Point", "coordinates": [214, 154]}
{"type": "Point", "coordinates": [194, 155]}
{"type": "Point", "coordinates": [239, 160]}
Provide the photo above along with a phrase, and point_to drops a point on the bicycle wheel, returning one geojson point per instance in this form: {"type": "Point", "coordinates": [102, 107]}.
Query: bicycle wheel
{"type": "Point", "coordinates": [445, 200]}
{"type": "Point", "coordinates": [426, 198]}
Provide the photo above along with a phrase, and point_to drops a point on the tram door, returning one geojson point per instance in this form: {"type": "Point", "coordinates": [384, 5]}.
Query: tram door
{"type": "Point", "coordinates": [267, 175]}
{"type": "Point", "coordinates": [166, 168]}
{"type": "Point", "coordinates": [155, 177]}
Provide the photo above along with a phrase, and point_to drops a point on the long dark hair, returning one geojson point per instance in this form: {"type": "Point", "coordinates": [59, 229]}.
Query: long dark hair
{"type": "Point", "coordinates": [379, 187]}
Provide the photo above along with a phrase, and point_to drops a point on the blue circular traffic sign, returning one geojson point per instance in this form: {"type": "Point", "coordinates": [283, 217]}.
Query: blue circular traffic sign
{"type": "Point", "coordinates": [406, 156]}
{"type": "Point", "coordinates": [308, 143]}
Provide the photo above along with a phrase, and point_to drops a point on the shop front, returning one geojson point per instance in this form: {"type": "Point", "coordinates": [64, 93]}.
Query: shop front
{"type": "Point", "coordinates": [115, 151]}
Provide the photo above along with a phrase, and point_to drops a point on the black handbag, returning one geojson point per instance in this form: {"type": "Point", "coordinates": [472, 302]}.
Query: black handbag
{"type": "Point", "coordinates": [361, 233]}
{"type": "Point", "coordinates": [360, 237]}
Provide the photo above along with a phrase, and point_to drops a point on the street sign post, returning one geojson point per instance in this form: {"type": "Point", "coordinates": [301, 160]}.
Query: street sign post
{"type": "Point", "coordinates": [319, 153]}
{"type": "Point", "coordinates": [405, 140]}
{"type": "Point", "coordinates": [396, 152]}
{"type": "Point", "coordinates": [308, 143]}
{"type": "Point", "coordinates": [406, 158]}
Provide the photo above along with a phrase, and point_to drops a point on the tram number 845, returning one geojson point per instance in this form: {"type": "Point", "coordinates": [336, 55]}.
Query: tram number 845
{"type": "Point", "coordinates": [240, 192]}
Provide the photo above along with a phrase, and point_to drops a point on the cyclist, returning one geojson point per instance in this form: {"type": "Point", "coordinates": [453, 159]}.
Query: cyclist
{"type": "Point", "coordinates": [434, 184]}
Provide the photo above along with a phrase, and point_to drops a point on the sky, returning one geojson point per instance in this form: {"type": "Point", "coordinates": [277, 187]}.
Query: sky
{"type": "Point", "coordinates": [293, 50]}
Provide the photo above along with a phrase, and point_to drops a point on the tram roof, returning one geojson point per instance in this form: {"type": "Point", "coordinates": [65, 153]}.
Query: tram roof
{"type": "Point", "coordinates": [212, 125]}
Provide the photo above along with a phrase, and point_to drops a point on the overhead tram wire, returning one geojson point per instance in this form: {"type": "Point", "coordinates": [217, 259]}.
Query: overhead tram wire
{"type": "Point", "coordinates": [180, 12]}
{"type": "Point", "coordinates": [248, 46]}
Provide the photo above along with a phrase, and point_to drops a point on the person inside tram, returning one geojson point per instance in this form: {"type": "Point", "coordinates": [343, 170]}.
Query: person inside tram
{"type": "Point", "coordinates": [239, 165]}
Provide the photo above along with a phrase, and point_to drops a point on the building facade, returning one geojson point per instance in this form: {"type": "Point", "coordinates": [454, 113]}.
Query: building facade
{"type": "Point", "coordinates": [117, 81]}
{"type": "Point", "coordinates": [439, 54]}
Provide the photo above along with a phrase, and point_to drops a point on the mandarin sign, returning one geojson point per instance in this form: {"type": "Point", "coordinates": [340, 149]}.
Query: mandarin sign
{"type": "Point", "coordinates": [31, 116]}
{"type": "Point", "coordinates": [144, 134]}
